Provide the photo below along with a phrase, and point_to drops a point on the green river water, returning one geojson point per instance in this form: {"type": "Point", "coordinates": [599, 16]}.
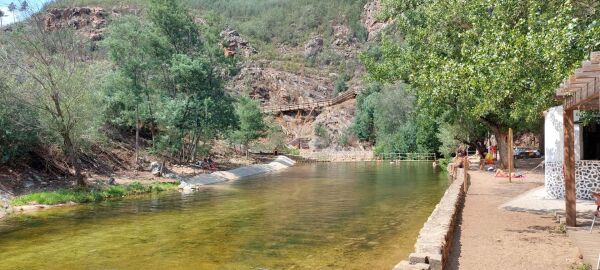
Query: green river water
{"type": "Point", "coordinates": [316, 216]}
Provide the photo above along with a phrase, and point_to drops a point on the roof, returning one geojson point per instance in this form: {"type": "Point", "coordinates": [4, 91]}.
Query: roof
{"type": "Point", "coordinates": [581, 90]}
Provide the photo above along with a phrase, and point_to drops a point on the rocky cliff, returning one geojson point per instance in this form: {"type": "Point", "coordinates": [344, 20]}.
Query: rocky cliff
{"type": "Point", "coordinates": [309, 72]}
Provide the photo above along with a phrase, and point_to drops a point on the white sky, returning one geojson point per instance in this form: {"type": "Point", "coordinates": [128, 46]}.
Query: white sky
{"type": "Point", "coordinates": [9, 17]}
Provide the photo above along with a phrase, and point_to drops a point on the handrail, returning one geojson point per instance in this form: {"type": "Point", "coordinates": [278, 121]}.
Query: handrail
{"type": "Point", "coordinates": [310, 105]}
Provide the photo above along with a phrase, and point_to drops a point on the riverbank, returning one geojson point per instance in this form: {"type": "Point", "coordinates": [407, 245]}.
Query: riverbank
{"type": "Point", "coordinates": [66, 197]}
{"type": "Point", "coordinates": [98, 192]}
{"type": "Point", "coordinates": [490, 237]}
{"type": "Point", "coordinates": [191, 183]}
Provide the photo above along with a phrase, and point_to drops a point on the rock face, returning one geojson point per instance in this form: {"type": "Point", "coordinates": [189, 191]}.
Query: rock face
{"type": "Point", "coordinates": [313, 47]}
{"type": "Point", "coordinates": [233, 43]}
{"type": "Point", "coordinates": [89, 21]}
{"type": "Point", "coordinates": [370, 18]}
{"type": "Point", "coordinates": [276, 87]}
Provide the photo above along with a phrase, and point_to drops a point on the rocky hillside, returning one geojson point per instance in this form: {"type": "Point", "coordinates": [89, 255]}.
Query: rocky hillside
{"type": "Point", "coordinates": [308, 64]}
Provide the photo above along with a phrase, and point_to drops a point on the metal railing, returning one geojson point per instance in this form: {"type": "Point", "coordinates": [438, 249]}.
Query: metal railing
{"type": "Point", "coordinates": [407, 156]}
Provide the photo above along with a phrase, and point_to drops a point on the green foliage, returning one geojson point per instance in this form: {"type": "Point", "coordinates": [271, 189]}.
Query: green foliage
{"type": "Point", "coordinates": [287, 21]}
{"type": "Point", "coordinates": [321, 131]}
{"type": "Point", "coordinates": [494, 62]}
{"type": "Point", "coordinates": [19, 127]}
{"type": "Point", "coordinates": [275, 138]}
{"type": "Point", "coordinates": [387, 116]}
{"type": "Point", "coordinates": [174, 22]}
{"type": "Point", "coordinates": [92, 195]}
{"type": "Point", "coordinates": [364, 121]}
{"type": "Point", "coordinates": [251, 123]}
{"type": "Point", "coordinates": [340, 83]}
{"type": "Point", "coordinates": [168, 79]}
{"type": "Point", "coordinates": [588, 117]}
{"type": "Point", "coordinates": [49, 75]}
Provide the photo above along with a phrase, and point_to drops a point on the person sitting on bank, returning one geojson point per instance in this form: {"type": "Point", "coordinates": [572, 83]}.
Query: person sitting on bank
{"type": "Point", "coordinates": [501, 173]}
{"type": "Point", "coordinates": [457, 162]}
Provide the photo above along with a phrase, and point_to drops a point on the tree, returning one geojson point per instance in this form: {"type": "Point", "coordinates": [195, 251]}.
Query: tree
{"type": "Point", "coordinates": [251, 124]}
{"type": "Point", "coordinates": [12, 7]}
{"type": "Point", "coordinates": [173, 20]}
{"type": "Point", "coordinates": [2, 14]}
{"type": "Point", "coordinates": [24, 6]}
{"type": "Point", "coordinates": [137, 51]}
{"type": "Point", "coordinates": [51, 76]}
{"type": "Point", "coordinates": [19, 126]}
{"type": "Point", "coordinates": [496, 63]}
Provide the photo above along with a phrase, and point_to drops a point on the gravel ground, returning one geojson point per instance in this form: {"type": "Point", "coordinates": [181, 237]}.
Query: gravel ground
{"type": "Point", "coordinates": [489, 237]}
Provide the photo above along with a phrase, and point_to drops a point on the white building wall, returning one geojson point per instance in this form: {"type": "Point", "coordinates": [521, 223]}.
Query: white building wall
{"type": "Point", "coordinates": [554, 153]}
{"type": "Point", "coordinates": [554, 136]}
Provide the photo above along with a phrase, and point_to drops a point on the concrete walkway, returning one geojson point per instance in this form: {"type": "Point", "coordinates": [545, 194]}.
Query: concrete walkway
{"type": "Point", "coordinates": [491, 237]}
{"type": "Point", "coordinates": [535, 201]}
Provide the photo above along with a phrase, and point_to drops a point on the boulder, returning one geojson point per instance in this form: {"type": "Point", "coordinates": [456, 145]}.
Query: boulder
{"type": "Point", "coordinates": [156, 168]}
{"type": "Point", "coordinates": [313, 47]}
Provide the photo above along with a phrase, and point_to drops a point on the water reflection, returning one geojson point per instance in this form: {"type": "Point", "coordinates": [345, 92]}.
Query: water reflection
{"type": "Point", "coordinates": [318, 216]}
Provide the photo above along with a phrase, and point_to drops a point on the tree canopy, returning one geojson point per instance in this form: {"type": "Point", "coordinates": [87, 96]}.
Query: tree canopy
{"type": "Point", "coordinates": [495, 62]}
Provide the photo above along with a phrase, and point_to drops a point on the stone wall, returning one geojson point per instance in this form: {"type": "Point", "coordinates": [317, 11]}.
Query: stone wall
{"type": "Point", "coordinates": [587, 179]}
{"type": "Point", "coordinates": [435, 239]}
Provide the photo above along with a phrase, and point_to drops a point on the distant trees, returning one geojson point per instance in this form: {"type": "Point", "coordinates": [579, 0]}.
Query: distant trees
{"type": "Point", "coordinates": [495, 63]}
{"type": "Point", "coordinates": [24, 6]}
{"type": "Point", "coordinates": [12, 7]}
{"type": "Point", "coordinates": [251, 123]}
{"type": "Point", "coordinates": [2, 14]}
{"type": "Point", "coordinates": [388, 117]}
{"type": "Point", "coordinates": [166, 79]}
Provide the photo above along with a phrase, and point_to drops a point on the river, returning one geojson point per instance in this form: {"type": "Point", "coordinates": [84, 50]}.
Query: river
{"type": "Point", "coordinates": [314, 216]}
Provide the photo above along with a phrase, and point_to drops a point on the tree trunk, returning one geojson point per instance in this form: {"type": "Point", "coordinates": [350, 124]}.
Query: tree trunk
{"type": "Point", "coordinates": [74, 158]}
{"type": "Point", "coordinates": [502, 139]}
{"type": "Point", "coordinates": [137, 136]}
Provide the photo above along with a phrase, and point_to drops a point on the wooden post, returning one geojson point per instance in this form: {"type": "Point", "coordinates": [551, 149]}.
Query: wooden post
{"type": "Point", "coordinates": [510, 154]}
{"type": "Point", "coordinates": [569, 167]}
{"type": "Point", "coordinates": [466, 173]}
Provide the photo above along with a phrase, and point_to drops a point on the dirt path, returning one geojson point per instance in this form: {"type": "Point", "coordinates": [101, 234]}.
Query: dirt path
{"type": "Point", "coordinates": [492, 238]}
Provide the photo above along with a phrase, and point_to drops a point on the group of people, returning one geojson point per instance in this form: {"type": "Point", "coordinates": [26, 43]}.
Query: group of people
{"type": "Point", "coordinates": [485, 158]}
{"type": "Point", "coordinates": [207, 164]}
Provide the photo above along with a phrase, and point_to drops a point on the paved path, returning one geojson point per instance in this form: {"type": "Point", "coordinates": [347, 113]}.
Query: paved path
{"type": "Point", "coordinates": [489, 237]}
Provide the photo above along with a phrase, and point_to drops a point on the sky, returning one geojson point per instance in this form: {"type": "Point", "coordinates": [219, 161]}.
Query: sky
{"type": "Point", "coordinates": [10, 18]}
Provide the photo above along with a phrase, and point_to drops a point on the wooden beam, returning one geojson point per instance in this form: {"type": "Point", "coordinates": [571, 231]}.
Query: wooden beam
{"type": "Point", "coordinates": [510, 154]}
{"type": "Point", "coordinates": [569, 167]}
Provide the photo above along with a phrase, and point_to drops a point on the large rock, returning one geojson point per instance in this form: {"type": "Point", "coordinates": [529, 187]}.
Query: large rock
{"type": "Point", "coordinates": [313, 47]}
{"type": "Point", "coordinates": [371, 18]}
{"type": "Point", "coordinates": [234, 43]}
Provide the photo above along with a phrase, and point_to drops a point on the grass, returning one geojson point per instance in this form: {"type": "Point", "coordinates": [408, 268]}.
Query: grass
{"type": "Point", "coordinates": [91, 194]}
{"type": "Point", "coordinates": [581, 266]}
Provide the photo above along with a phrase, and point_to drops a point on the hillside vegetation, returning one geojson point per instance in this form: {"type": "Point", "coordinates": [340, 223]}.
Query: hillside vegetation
{"type": "Point", "coordinates": [288, 22]}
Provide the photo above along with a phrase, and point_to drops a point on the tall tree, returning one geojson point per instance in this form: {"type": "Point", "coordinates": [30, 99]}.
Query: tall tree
{"type": "Point", "coordinates": [137, 51]}
{"type": "Point", "coordinates": [51, 75]}
{"type": "Point", "coordinates": [12, 7]}
{"type": "Point", "coordinates": [2, 14]}
{"type": "Point", "coordinates": [251, 124]}
{"type": "Point", "coordinates": [24, 6]}
{"type": "Point", "coordinates": [494, 62]}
